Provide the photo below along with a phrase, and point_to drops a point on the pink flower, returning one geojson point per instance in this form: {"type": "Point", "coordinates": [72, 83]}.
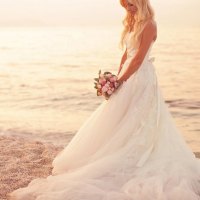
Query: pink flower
{"type": "Point", "coordinates": [114, 78]}
{"type": "Point", "coordinates": [107, 85]}
{"type": "Point", "coordinates": [111, 79]}
{"type": "Point", "coordinates": [104, 89]}
{"type": "Point", "coordinates": [111, 85]}
{"type": "Point", "coordinates": [102, 81]}
{"type": "Point", "coordinates": [109, 92]}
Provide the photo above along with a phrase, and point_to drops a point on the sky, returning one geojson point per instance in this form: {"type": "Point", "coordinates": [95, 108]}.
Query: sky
{"type": "Point", "coordinates": [91, 12]}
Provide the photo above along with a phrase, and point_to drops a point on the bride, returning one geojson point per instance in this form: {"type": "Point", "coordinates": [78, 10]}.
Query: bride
{"type": "Point", "coordinates": [130, 147]}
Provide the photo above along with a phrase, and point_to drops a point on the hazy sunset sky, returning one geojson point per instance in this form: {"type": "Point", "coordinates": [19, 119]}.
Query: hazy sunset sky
{"type": "Point", "coordinates": [91, 12]}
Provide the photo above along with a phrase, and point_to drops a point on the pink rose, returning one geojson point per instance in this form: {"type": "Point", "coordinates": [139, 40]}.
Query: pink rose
{"type": "Point", "coordinates": [109, 92]}
{"type": "Point", "coordinates": [104, 89]}
{"type": "Point", "coordinates": [111, 85]}
{"type": "Point", "coordinates": [107, 85]}
{"type": "Point", "coordinates": [102, 81]}
{"type": "Point", "coordinates": [112, 79]}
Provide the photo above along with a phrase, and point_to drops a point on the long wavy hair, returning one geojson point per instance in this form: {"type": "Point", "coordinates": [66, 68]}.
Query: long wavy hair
{"type": "Point", "coordinates": [137, 22]}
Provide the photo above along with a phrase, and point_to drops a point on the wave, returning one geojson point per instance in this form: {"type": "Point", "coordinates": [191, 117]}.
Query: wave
{"type": "Point", "coordinates": [184, 103]}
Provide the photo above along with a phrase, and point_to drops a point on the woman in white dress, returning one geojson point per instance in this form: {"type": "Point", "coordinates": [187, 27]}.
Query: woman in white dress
{"type": "Point", "coordinates": [129, 148]}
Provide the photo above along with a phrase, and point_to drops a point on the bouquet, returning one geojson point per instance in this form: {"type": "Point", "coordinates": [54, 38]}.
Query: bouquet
{"type": "Point", "coordinates": [106, 84]}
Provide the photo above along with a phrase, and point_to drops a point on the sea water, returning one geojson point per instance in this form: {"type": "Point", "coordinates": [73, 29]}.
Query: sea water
{"type": "Point", "coordinates": [46, 78]}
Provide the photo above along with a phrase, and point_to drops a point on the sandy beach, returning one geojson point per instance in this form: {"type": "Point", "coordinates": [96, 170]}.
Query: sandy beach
{"type": "Point", "coordinates": [22, 160]}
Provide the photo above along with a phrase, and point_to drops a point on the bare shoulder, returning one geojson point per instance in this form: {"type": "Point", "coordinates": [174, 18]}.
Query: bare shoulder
{"type": "Point", "coordinates": [151, 25]}
{"type": "Point", "coordinates": [151, 29]}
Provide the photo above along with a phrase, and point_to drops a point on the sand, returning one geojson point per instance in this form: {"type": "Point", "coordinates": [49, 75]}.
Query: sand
{"type": "Point", "coordinates": [22, 160]}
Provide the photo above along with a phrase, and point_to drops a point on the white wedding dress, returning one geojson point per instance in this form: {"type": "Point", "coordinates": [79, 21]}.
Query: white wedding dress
{"type": "Point", "coordinates": [128, 149]}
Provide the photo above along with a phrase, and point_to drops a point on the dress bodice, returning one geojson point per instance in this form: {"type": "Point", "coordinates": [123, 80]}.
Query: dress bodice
{"type": "Point", "coordinates": [131, 49]}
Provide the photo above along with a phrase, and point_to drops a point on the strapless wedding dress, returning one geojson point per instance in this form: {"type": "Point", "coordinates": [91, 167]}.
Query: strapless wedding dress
{"type": "Point", "coordinates": [128, 149]}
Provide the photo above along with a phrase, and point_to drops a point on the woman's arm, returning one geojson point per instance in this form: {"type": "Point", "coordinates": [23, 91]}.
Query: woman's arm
{"type": "Point", "coordinates": [148, 35]}
{"type": "Point", "coordinates": [123, 59]}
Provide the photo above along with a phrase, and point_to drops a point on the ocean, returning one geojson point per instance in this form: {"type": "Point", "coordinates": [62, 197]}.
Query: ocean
{"type": "Point", "coordinates": [46, 78]}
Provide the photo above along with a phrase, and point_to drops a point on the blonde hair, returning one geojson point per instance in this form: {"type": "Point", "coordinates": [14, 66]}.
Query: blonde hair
{"type": "Point", "coordinates": [137, 22]}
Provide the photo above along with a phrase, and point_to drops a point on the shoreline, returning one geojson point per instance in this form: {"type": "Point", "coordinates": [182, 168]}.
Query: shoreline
{"type": "Point", "coordinates": [22, 160]}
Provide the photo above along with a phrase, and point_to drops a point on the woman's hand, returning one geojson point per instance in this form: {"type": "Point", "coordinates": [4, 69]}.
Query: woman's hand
{"type": "Point", "coordinates": [120, 80]}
